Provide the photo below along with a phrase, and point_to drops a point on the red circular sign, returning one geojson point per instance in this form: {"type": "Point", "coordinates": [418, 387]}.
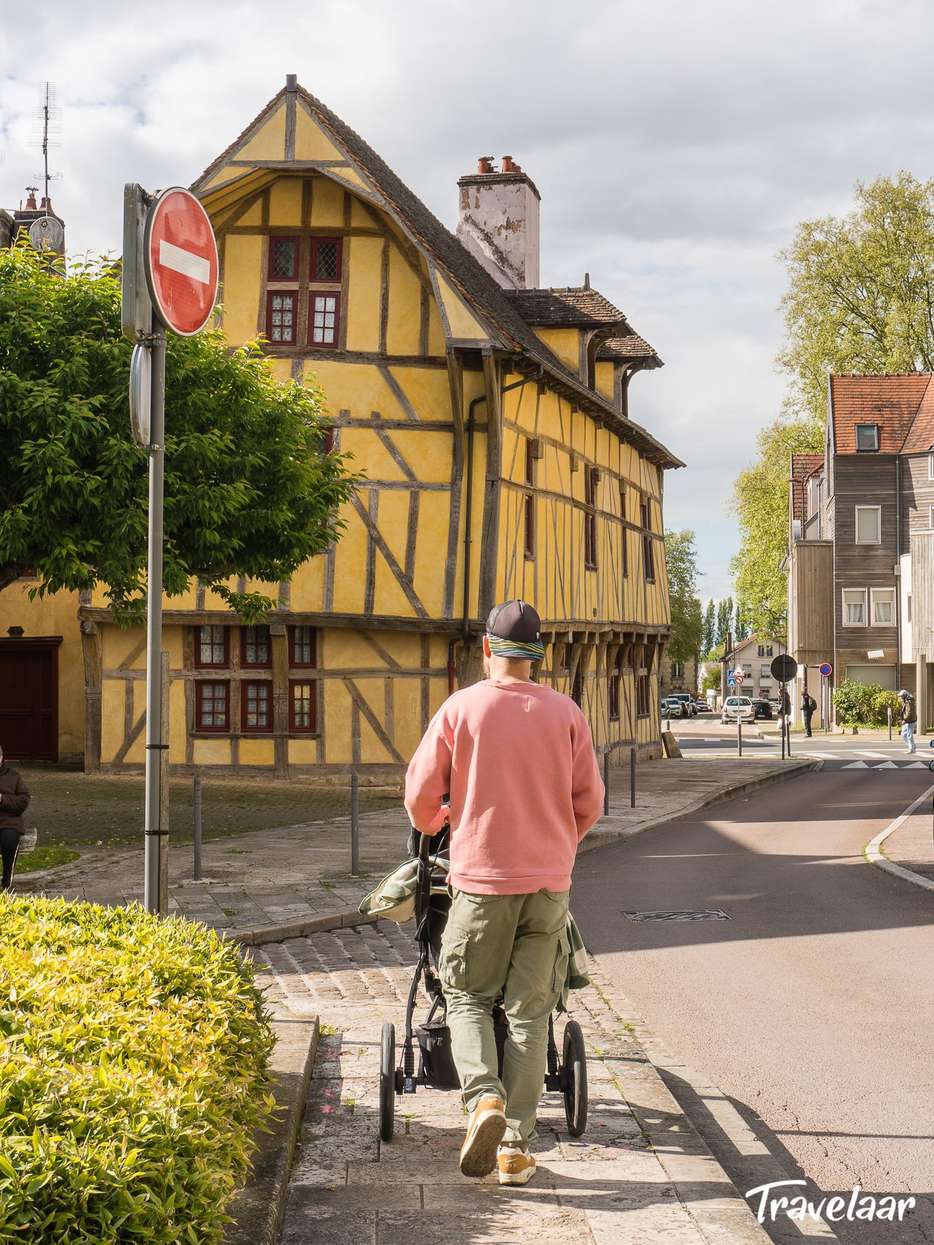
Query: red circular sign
{"type": "Point", "coordinates": [181, 261]}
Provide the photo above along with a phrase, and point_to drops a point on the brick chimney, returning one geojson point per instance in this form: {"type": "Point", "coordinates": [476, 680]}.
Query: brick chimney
{"type": "Point", "coordinates": [498, 221]}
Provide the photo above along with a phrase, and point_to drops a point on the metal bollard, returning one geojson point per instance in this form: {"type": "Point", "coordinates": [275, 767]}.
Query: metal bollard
{"type": "Point", "coordinates": [354, 823]}
{"type": "Point", "coordinates": [632, 777]}
{"type": "Point", "coordinates": [197, 810]}
{"type": "Point", "coordinates": [606, 783]}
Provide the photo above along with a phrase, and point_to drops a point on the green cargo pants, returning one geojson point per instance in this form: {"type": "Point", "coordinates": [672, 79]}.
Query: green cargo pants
{"type": "Point", "coordinates": [513, 945]}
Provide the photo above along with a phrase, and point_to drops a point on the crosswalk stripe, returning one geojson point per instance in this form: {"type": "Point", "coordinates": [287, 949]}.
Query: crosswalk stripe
{"type": "Point", "coordinates": [876, 756]}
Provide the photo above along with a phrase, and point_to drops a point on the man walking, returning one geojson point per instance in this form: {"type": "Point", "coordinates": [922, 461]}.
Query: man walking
{"type": "Point", "coordinates": [515, 760]}
{"type": "Point", "coordinates": [14, 800]}
{"type": "Point", "coordinates": [808, 706]}
{"type": "Point", "coordinates": [908, 716]}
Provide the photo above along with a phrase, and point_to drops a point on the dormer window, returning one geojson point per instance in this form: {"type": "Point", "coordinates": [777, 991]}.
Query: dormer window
{"type": "Point", "coordinates": [867, 438]}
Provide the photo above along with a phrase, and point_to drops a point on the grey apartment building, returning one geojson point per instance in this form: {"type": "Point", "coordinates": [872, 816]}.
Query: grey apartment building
{"type": "Point", "coordinates": [861, 539]}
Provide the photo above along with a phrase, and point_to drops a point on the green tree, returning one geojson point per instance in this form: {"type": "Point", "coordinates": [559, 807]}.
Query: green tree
{"type": "Point", "coordinates": [860, 298]}
{"type": "Point", "coordinates": [724, 619]}
{"type": "Point", "coordinates": [760, 499]}
{"type": "Point", "coordinates": [249, 488]}
{"type": "Point", "coordinates": [687, 622]}
{"type": "Point", "coordinates": [710, 627]}
{"type": "Point", "coordinates": [710, 681]}
{"type": "Point", "coordinates": [861, 291]}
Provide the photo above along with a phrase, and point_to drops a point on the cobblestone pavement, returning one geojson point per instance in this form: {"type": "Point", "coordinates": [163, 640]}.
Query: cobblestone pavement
{"type": "Point", "coordinates": [302, 873]}
{"type": "Point", "coordinates": [640, 1174]}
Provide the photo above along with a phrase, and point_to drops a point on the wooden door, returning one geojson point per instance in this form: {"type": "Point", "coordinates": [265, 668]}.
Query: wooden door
{"type": "Point", "coordinates": [29, 698]}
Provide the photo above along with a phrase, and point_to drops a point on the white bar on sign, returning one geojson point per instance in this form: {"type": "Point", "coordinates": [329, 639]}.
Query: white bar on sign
{"type": "Point", "coordinates": [186, 262]}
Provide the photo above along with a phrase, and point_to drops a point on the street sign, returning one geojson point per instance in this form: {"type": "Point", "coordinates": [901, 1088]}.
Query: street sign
{"type": "Point", "coordinates": [141, 395]}
{"type": "Point", "coordinates": [181, 261]}
{"type": "Point", "coordinates": [738, 676]}
{"type": "Point", "coordinates": [136, 306]}
{"type": "Point", "coordinates": [784, 668]}
{"type": "Point", "coordinates": [731, 679]}
{"type": "Point", "coordinates": [826, 669]}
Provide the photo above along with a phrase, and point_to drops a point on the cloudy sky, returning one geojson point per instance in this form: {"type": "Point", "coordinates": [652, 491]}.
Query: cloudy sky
{"type": "Point", "coordinates": [675, 145]}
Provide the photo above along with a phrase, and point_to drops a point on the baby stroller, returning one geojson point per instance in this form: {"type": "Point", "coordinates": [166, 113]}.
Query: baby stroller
{"type": "Point", "coordinates": [567, 1075]}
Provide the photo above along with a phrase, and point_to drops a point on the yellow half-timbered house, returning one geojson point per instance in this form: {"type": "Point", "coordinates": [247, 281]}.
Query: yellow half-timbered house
{"type": "Point", "coordinates": [490, 419]}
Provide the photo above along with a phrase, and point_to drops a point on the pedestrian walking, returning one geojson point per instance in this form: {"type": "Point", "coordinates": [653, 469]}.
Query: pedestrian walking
{"type": "Point", "coordinates": [511, 764]}
{"type": "Point", "coordinates": [808, 707]}
{"type": "Point", "coordinates": [14, 800]}
{"type": "Point", "coordinates": [908, 716]}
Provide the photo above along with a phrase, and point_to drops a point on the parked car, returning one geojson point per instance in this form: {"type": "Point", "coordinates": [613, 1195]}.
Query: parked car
{"type": "Point", "coordinates": [763, 710]}
{"type": "Point", "coordinates": [671, 708]}
{"type": "Point", "coordinates": [702, 706]}
{"type": "Point", "coordinates": [687, 700]}
{"type": "Point", "coordinates": [737, 708]}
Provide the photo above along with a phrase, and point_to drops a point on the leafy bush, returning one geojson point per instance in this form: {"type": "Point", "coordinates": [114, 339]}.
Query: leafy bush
{"type": "Point", "coordinates": [133, 1055]}
{"type": "Point", "coordinates": [863, 703]}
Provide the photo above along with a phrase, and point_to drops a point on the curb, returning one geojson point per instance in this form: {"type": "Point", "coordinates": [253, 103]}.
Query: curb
{"type": "Point", "coordinates": [875, 856]}
{"type": "Point", "coordinates": [258, 937]}
{"type": "Point", "coordinates": [258, 1208]}
{"type": "Point", "coordinates": [601, 838]}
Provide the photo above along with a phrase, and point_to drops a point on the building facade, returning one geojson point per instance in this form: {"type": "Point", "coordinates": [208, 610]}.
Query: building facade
{"type": "Point", "coordinates": [490, 421]}
{"type": "Point", "coordinates": [754, 657]}
{"type": "Point", "coordinates": [861, 539]}
{"type": "Point", "coordinates": [677, 676]}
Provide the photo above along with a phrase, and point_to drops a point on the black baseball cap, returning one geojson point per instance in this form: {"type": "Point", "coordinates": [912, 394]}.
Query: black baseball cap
{"type": "Point", "coordinates": [515, 620]}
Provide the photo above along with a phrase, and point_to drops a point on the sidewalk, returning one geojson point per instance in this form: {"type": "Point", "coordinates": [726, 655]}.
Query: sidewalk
{"type": "Point", "coordinates": [912, 844]}
{"type": "Point", "coordinates": [273, 884]}
{"type": "Point", "coordinates": [640, 1173]}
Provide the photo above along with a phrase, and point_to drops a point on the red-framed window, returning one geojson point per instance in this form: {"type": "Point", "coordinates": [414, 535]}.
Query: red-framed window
{"type": "Point", "coordinates": [255, 648]}
{"type": "Point", "coordinates": [281, 316]}
{"type": "Point", "coordinates": [531, 453]}
{"type": "Point", "coordinates": [303, 646]}
{"type": "Point", "coordinates": [324, 311]}
{"type": "Point", "coordinates": [212, 705]}
{"type": "Point", "coordinates": [326, 256]}
{"type": "Point", "coordinates": [591, 482]}
{"type": "Point", "coordinates": [615, 684]}
{"type": "Point", "coordinates": [642, 694]}
{"type": "Point", "coordinates": [648, 545]}
{"type": "Point", "coordinates": [302, 709]}
{"type": "Point", "coordinates": [283, 259]}
{"type": "Point", "coordinates": [255, 706]}
{"type": "Point", "coordinates": [212, 647]}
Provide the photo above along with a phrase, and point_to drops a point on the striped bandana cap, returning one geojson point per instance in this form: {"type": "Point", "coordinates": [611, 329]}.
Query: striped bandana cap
{"type": "Point", "coordinates": [527, 650]}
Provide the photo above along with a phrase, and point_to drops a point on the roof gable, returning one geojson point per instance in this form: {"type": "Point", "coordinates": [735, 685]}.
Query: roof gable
{"type": "Point", "coordinates": [358, 165]}
{"type": "Point", "coordinates": [890, 402]}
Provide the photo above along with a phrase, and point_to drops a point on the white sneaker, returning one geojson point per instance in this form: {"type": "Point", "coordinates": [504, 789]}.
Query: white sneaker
{"type": "Point", "coordinates": [516, 1166]}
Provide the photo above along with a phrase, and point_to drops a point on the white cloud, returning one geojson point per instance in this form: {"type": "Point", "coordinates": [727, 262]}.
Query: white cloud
{"type": "Point", "coordinates": [675, 147]}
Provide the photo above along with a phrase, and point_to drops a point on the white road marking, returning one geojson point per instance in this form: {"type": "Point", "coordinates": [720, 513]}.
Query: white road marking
{"type": "Point", "coordinates": [914, 765]}
{"type": "Point", "coordinates": [186, 262]}
{"type": "Point", "coordinates": [876, 756]}
{"type": "Point", "coordinates": [856, 765]}
{"type": "Point", "coordinates": [873, 849]}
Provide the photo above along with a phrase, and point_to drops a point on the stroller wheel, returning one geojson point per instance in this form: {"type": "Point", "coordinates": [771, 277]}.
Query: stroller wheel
{"type": "Point", "coordinates": [574, 1078]}
{"type": "Point", "coordinates": [387, 1082]}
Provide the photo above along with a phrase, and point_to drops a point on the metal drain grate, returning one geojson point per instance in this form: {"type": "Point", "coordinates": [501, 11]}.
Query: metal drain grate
{"type": "Point", "coordinates": [705, 914]}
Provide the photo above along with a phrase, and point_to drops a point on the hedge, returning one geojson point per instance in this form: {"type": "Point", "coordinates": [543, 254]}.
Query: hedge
{"type": "Point", "coordinates": [864, 704]}
{"type": "Point", "coordinates": [133, 1057]}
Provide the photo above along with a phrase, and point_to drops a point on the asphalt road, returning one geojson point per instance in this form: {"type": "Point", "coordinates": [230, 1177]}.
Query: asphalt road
{"type": "Point", "coordinates": [812, 1007]}
{"type": "Point", "coordinates": [705, 734]}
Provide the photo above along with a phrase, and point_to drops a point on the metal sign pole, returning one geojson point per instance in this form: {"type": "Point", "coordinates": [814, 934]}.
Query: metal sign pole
{"type": "Point", "coordinates": [156, 824]}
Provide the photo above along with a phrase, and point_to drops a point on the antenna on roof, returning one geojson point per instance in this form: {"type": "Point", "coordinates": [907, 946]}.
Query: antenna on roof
{"type": "Point", "coordinates": [47, 119]}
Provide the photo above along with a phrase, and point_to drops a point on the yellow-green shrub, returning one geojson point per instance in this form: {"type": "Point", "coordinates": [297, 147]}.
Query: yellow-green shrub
{"type": "Point", "coordinates": [133, 1055]}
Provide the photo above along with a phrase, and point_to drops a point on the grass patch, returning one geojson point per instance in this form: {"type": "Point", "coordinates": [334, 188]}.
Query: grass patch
{"type": "Point", "coordinates": [44, 858]}
{"type": "Point", "coordinates": [133, 1056]}
{"type": "Point", "coordinates": [72, 809]}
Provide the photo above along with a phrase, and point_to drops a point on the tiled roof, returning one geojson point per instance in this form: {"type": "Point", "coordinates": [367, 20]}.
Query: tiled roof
{"type": "Point", "coordinates": [472, 278]}
{"type": "Point", "coordinates": [571, 306]}
{"type": "Point", "coordinates": [891, 402]}
{"type": "Point", "coordinates": [921, 434]}
{"type": "Point", "coordinates": [629, 349]}
{"type": "Point", "coordinates": [802, 466]}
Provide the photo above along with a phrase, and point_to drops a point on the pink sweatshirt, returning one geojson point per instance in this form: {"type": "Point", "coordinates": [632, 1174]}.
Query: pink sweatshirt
{"type": "Point", "coordinates": [518, 761]}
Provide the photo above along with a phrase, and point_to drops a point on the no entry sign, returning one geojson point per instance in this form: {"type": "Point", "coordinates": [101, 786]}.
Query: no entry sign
{"type": "Point", "coordinates": [181, 261]}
